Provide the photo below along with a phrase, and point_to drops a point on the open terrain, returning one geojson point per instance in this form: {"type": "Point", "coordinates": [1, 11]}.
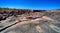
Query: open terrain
{"type": "Point", "coordinates": [29, 21]}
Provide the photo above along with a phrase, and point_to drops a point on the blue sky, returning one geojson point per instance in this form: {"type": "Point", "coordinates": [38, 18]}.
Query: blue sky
{"type": "Point", "coordinates": [31, 4]}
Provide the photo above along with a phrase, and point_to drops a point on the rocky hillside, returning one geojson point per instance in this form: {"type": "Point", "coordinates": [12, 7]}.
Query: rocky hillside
{"type": "Point", "coordinates": [30, 21]}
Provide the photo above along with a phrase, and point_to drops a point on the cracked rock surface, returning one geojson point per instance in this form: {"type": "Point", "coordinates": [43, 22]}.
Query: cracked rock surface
{"type": "Point", "coordinates": [45, 22]}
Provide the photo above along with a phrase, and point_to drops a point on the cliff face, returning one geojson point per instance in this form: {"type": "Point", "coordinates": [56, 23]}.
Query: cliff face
{"type": "Point", "coordinates": [30, 21]}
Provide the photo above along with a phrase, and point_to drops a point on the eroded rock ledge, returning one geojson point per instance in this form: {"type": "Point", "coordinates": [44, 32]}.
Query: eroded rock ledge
{"type": "Point", "coordinates": [7, 13]}
{"type": "Point", "coordinates": [30, 21]}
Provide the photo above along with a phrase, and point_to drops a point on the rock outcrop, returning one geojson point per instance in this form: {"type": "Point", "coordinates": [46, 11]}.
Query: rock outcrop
{"type": "Point", "coordinates": [30, 21]}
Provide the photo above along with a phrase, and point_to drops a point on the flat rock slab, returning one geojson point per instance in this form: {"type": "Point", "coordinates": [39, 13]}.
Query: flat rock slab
{"type": "Point", "coordinates": [47, 24]}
